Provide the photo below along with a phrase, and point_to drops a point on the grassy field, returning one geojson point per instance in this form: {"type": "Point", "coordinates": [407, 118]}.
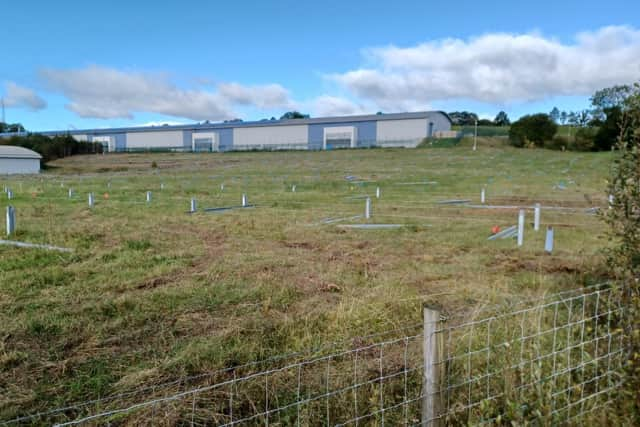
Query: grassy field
{"type": "Point", "coordinates": [151, 293]}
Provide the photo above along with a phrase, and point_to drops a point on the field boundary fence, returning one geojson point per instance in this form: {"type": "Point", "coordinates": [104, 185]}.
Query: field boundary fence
{"type": "Point", "coordinates": [554, 360]}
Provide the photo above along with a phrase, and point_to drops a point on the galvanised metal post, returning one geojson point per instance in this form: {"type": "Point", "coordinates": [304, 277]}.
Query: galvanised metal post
{"type": "Point", "coordinates": [193, 206]}
{"type": "Point", "coordinates": [244, 200]}
{"type": "Point", "coordinates": [367, 208]}
{"type": "Point", "coordinates": [91, 201]}
{"type": "Point", "coordinates": [148, 196]}
{"type": "Point", "coordinates": [521, 227]}
{"type": "Point", "coordinates": [11, 220]}
{"type": "Point", "coordinates": [377, 192]}
{"type": "Point", "coordinates": [536, 217]}
{"type": "Point", "coordinates": [548, 242]}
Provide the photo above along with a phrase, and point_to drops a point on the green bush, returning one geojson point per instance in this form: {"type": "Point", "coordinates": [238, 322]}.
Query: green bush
{"type": "Point", "coordinates": [584, 139]}
{"type": "Point", "coordinates": [532, 130]}
{"type": "Point", "coordinates": [559, 142]}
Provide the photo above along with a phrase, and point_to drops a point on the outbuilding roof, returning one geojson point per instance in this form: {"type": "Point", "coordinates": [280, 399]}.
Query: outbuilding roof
{"type": "Point", "coordinates": [13, 152]}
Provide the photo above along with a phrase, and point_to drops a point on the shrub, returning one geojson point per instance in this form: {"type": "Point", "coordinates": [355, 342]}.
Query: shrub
{"type": "Point", "coordinates": [584, 139]}
{"type": "Point", "coordinates": [558, 142]}
{"type": "Point", "coordinates": [532, 130]}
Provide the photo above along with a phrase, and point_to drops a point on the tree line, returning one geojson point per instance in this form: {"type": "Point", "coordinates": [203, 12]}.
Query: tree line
{"type": "Point", "coordinates": [593, 129]}
{"type": "Point", "coordinates": [51, 148]}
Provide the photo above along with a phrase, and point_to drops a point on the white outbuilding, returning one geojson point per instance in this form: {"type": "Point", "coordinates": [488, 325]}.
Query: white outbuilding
{"type": "Point", "coordinates": [18, 160]}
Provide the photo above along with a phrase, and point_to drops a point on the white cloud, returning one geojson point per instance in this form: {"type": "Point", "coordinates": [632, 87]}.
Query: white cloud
{"type": "Point", "coordinates": [21, 97]}
{"type": "Point", "coordinates": [496, 68]}
{"type": "Point", "coordinates": [101, 92]}
{"type": "Point", "coordinates": [327, 105]}
{"type": "Point", "coordinates": [265, 96]}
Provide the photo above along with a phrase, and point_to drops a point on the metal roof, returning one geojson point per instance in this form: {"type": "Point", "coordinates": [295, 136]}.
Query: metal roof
{"type": "Point", "coordinates": [13, 152]}
{"type": "Point", "coordinates": [289, 122]}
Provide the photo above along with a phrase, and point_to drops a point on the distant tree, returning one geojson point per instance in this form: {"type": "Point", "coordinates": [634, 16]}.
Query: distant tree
{"type": "Point", "coordinates": [572, 118]}
{"type": "Point", "coordinates": [555, 114]}
{"type": "Point", "coordinates": [583, 118]}
{"type": "Point", "coordinates": [532, 129]}
{"type": "Point", "coordinates": [502, 119]}
{"type": "Point", "coordinates": [610, 129]}
{"type": "Point", "coordinates": [463, 118]}
{"type": "Point", "coordinates": [236, 120]}
{"type": "Point", "coordinates": [485, 122]}
{"type": "Point", "coordinates": [294, 115]}
{"type": "Point", "coordinates": [563, 117]}
{"type": "Point", "coordinates": [53, 148]}
{"type": "Point", "coordinates": [11, 127]}
{"type": "Point", "coordinates": [614, 96]}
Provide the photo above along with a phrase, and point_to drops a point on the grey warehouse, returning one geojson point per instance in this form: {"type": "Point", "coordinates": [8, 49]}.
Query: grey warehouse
{"type": "Point", "coordinates": [322, 133]}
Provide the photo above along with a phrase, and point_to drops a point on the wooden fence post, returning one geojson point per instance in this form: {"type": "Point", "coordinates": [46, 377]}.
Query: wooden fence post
{"type": "Point", "coordinates": [432, 341]}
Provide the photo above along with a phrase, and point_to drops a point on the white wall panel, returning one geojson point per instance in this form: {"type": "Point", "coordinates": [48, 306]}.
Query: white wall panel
{"type": "Point", "coordinates": [16, 166]}
{"type": "Point", "coordinates": [270, 135]}
{"type": "Point", "coordinates": [154, 139]}
{"type": "Point", "coordinates": [401, 130]}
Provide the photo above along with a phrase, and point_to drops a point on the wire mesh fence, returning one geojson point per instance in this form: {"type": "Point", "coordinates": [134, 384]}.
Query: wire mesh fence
{"type": "Point", "coordinates": [553, 361]}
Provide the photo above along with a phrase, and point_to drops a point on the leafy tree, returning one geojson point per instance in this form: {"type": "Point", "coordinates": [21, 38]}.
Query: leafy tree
{"type": "Point", "coordinates": [463, 118]}
{"type": "Point", "coordinates": [623, 219]}
{"type": "Point", "coordinates": [532, 130]}
{"type": "Point", "coordinates": [555, 114]}
{"type": "Point", "coordinates": [502, 119]}
{"type": "Point", "coordinates": [294, 115]}
{"type": "Point", "coordinates": [11, 127]}
{"type": "Point", "coordinates": [609, 129]}
{"type": "Point", "coordinates": [614, 96]}
{"type": "Point", "coordinates": [53, 148]}
{"type": "Point", "coordinates": [236, 120]}
{"type": "Point", "coordinates": [583, 118]}
{"type": "Point", "coordinates": [563, 117]}
{"type": "Point", "coordinates": [485, 122]}
{"type": "Point", "coordinates": [572, 118]}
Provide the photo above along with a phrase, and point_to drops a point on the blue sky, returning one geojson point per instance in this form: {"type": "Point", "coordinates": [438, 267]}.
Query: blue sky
{"type": "Point", "coordinates": [100, 64]}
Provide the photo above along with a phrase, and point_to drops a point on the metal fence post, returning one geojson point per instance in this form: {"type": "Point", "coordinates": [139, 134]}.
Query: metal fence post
{"type": "Point", "coordinates": [367, 208]}
{"type": "Point", "coordinates": [9, 194]}
{"type": "Point", "coordinates": [193, 206]}
{"type": "Point", "coordinates": [90, 200]}
{"type": "Point", "coordinates": [521, 227]}
{"type": "Point", "coordinates": [548, 242]}
{"type": "Point", "coordinates": [377, 192]}
{"type": "Point", "coordinates": [482, 194]}
{"type": "Point", "coordinates": [244, 200]}
{"type": "Point", "coordinates": [536, 217]}
{"type": "Point", "coordinates": [11, 220]}
{"type": "Point", "coordinates": [432, 343]}
{"type": "Point", "coordinates": [293, 188]}
{"type": "Point", "coordinates": [148, 196]}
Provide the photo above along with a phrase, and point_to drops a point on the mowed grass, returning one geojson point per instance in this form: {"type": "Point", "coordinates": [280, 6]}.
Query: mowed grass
{"type": "Point", "coordinates": [152, 293]}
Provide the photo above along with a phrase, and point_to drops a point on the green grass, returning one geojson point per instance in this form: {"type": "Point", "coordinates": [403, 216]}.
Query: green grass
{"type": "Point", "coordinates": [152, 293]}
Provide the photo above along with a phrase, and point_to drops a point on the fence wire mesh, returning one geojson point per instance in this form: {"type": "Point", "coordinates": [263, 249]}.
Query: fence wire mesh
{"type": "Point", "coordinates": [549, 362]}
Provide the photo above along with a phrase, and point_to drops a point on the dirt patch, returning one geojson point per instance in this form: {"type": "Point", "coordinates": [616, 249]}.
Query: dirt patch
{"type": "Point", "coordinates": [549, 265]}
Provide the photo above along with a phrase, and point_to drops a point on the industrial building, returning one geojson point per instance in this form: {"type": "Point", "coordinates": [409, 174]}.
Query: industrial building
{"type": "Point", "coordinates": [379, 130]}
{"type": "Point", "coordinates": [18, 160]}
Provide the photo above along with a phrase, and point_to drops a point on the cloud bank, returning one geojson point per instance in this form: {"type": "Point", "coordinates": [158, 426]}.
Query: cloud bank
{"type": "Point", "coordinates": [106, 93]}
{"type": "Point", "coordinates": [21, 97]}
{"type": "Point", "coordinates": [495, 68]}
